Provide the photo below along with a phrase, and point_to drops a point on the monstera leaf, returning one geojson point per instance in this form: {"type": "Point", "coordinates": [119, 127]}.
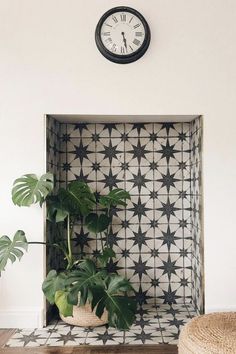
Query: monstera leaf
{"type": "Point", "coordinates": [30, 189]}
{"type": "Point", "coordinates": [83, 280]}
{"type": "Point", "coordinates": [56, 210]}
{"type": "Point", "coordinates": [121, 308]}
{"type": "Point", "coordinates": [97, 223]}
{"type": "Point", "coordinates": [115, 197]}
{"type": "Point", "coordinates": [77, 198]}
{"type": "Point", "coordinates": [64, 307]}
{"type": "Point", "coordinates": [121, 311]}
{"type": "Point", "coordinates": [106, 254]}
{"type": "Point", "coordinates": [12, 249]}
{"type": "Point", "coordinates": [53, 282]}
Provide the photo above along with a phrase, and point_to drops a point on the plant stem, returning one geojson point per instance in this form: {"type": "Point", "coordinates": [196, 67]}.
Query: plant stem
{"type": "Point", "coordinates": [107, 240]}
{"type": "Point", "coordinates": [101, 241]}
{"type": "Point", "coordinates": [48, 244]}
{"type": "Point", "coordinates": [69, 232]}
{"type": "Point", "coordinates": [39, 243]}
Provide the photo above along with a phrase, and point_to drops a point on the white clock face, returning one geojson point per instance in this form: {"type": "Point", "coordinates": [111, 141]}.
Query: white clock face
{"type": "Point", "coordinates": [122, 33]}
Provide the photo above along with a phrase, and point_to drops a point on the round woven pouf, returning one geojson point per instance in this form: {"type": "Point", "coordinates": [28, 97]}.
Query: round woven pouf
{"type": "Point", "coordinates": [209, 334]}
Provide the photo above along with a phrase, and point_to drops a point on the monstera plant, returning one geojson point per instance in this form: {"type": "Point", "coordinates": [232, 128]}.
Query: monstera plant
{"type": "Point", "coordinates": [84, 280]}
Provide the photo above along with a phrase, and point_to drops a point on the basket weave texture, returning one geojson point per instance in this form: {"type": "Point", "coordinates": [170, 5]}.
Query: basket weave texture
{"type": "Point", "coordinates": [83, 316]}
{"type": "Point", "coordinates": [213, 333]}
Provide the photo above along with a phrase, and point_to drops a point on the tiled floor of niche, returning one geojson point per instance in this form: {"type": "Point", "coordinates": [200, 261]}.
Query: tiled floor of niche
{"type": "Point", "coordinates": [153, 325]}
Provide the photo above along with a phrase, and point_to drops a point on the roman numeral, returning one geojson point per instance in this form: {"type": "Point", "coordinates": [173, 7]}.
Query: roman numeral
{"type": "Point", "coordinates": [114, 19]}
{"type": "Point", "coordinates": [131, 48]}
{"type": "Point", "coordinates": [108, 25]}
{"type": "Point", "coordinates": [138, 34]}
{"type": "Point", "coordinates": [108, 40]}
{"type": "Point", "coordinates": [113, 48]}
{"type": "Point", "coordinates": [122, 50]}
{"type": "Point", "coordinates": [123, 17]}
{"type": "Point", "coordinates": [106, 33]}
{"type": "Point", "coordinates": [136, 41]}
{"type": "Point", "coordinates": [138, 25]}
{"type": "Point", "coordinates": [131, 19]}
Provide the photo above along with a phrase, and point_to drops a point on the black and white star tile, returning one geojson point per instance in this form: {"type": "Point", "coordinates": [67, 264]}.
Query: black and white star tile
{"type": "Point", "coordinates": [172, 180]}
{"type": "Point", "coordinates": [154, 324]}
{"type": "Point", "coordinates": [139, 152]}
{"type": "Point", "coordinates": [168, 151]}
{"type": "Point", "coordinates": [196, 200]}
{"type": "Point", "coordinates": [159, 164]}
{"type": "Point", "coordinates": [53, 149]}
{"type": "Point", "coordinates": [170, 267]}
{"type": "Point", "coordinates": [140, 238]}
{"type": "Point", "coordinates": [196, 179]}
{"type": "Point", "coordinates": [66, 337]}
{"type": "Point", "coordinates": [182, 131]}
{"type": "Point", "coordinates": [105, 336]}
{"type": "Point", "coordinates": [196, 125]}
{"type": "Point", "coordinates": [139, 180]}
{"type": "Point", "coordinates": [170, 293]}
{"type": "Point", "coordinates": [109, 178]}
{"type": "Point", "coordinates": [141, 336]}
{"type": "Point", "coordinates": [110, 130]}
{"type": "Point", "coordinates": [172, 209]}
{"type": "Point", "coordinates": [86, 174]}
{"type": "Point", "coordinates": [110, 152]}
{"type": "Point", "coordinates": [140, 209]}
{"type": "Point", "coordinates": [81, 152]}
{"type": "Point", "coordinates": [140, 267]}
{"type": "Point", "coordinates": [29, 338]}
{"type": "Point", "coordinates": [138, 130]}
{"type": "Point", "coordinates": [80, 130]}
{"type": "Point", "coordinates": [170, 238]}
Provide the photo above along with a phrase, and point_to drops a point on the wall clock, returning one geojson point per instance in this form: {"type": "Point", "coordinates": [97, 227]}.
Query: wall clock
{"type": "Point", "coordinates": [122, 35]}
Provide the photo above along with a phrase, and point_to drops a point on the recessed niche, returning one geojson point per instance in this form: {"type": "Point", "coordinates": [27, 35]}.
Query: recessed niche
{"type": "Point", "coordinates": [158, 236]}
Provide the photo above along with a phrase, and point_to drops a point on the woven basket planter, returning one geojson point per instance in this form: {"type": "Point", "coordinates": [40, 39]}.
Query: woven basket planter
{"type": "Point", "coordinates": [83, 316]}
{"type": "Point", "coordinates": [213, 333]}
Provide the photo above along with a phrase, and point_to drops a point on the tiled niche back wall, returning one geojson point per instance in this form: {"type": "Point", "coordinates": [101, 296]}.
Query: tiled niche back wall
{"type": "Point", "coordinates": [153, 235]}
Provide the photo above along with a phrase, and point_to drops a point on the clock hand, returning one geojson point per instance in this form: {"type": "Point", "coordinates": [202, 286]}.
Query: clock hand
{"type": "Point", "coordinates": [124, 40]}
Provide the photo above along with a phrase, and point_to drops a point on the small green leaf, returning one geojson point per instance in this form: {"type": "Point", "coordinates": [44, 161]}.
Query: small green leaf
{"type": "Point", "coordinates": [115, 197]}
{"type": "Point", "coordinates": [77, 198]}
{"type": "Point", "coordinates": [11, 249]}
{"type": "Point", "coordinates": [97, 223]}
{"type": "Point", "coordinates": [30, 189]}
{"type": "Point", "coordinates": [73, 296]}
{"type": "Point", "coordinates": [52, 284]}
{"type": "Point", "coordinates": [64, 307]}
{"type": "Point", "coordinates": [117, 283]}
{"type": "Point", "coordinates": [55, 209]}
{"type": "Point", "coordinates": [106, 255]}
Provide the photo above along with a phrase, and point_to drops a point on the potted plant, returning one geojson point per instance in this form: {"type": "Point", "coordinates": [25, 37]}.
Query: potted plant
{"type": "Point", "coordinates": [84, 291]}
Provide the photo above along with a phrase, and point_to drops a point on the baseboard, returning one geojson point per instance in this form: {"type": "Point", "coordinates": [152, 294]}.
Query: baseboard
{"type": "Point", "coordinates": [21, 319]}
{"type": "Point", "coordinates": [221, 309]}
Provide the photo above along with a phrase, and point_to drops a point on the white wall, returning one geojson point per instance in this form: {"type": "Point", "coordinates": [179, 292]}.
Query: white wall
{"type": "Point", "coordinates": [49, 64]}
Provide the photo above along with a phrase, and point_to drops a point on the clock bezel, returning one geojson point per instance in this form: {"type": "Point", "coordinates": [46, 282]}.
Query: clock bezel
{"type": "Point", "coordinates": [127, 58]}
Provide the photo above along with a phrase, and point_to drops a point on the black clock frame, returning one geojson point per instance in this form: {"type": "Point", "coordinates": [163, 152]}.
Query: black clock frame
{"type": "Point", "coordinates": [128, 58]}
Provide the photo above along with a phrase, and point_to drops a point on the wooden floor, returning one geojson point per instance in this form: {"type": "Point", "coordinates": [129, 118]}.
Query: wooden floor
{"type": "Point", "coordinates": [108, 349]}
{"type": "Point", "coordinates": [5, 335]}
{"type": "Point", "coordinates": [116, 349]}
